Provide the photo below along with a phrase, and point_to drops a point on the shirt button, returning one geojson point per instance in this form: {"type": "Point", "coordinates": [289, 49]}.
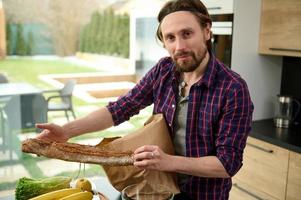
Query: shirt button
{"type": "Point", "coordinates": [173, 105]}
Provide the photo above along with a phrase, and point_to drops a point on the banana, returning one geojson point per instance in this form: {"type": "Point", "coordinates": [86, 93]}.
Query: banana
{"type": "Point", "coordinates": [79, 196]}
{"type": "Point", "coordinates": [57, 194]}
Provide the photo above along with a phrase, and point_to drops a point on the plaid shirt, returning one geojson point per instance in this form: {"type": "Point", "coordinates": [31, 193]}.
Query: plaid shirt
{"type": "Point", "coordinates": [218, 119]}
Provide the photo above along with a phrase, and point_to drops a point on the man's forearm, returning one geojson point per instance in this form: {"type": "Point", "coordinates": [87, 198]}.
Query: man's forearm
{"type": "Point", "coordinates": [95, 121]}
{"type": "Point", "coordinates": [209, 166]}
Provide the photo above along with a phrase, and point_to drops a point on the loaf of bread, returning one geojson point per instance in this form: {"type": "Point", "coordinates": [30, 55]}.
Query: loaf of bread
{"type": "Point", "coordinates": [77, 152]}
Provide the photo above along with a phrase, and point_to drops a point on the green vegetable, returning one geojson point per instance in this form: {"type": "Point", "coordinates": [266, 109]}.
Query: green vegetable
{"type": "Point", "coordinates": [28, 188]}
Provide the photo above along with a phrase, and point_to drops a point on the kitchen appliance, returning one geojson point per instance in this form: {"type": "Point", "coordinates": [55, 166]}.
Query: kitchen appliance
{"type": "Point", "coordinates": [222, 28]}
{"type": "Point", "coordinates": [286, 111]}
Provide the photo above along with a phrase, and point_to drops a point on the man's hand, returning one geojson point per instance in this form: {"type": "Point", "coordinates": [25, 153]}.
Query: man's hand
{"type": "Point", "coordinates": [152, 157]}
{"type": "Point", "coordinates": [52, 132]}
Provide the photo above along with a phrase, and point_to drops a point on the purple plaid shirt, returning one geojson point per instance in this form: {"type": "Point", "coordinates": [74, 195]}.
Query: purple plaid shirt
{"type": "Point", "coordinates": [218, 119]}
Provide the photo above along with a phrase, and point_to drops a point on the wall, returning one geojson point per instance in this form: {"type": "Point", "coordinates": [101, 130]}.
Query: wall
{"type": "Point", "coordinates": [262, 73]}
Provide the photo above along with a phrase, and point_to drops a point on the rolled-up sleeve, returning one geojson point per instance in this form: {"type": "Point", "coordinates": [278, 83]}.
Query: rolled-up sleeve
{"type": "Point", "coordinates": [130, 104]}
{"type": "Point", "coordinates": [234, 127]}
{"type": "Point", "coordinates": [140, 96]}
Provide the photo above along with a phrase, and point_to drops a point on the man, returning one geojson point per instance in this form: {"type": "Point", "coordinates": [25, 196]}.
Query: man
{"type": "Point", "coordinates": [206, 105]}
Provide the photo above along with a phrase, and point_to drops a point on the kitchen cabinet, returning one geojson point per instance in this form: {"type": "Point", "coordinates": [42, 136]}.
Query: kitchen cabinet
{"type": "Point", "coordinates": [280, 28]}
{"type": "Point", "coordinates": [294, 177]}
{"type": "Point", "coordinates": [243, 191]}
{"type": "Point", "coordinates": [264, 172]}
{"type": "Point", "coordinates": [219, 6]}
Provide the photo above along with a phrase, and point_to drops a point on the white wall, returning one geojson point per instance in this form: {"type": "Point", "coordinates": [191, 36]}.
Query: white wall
{"type": "Point", "coordinates": [262, 73]}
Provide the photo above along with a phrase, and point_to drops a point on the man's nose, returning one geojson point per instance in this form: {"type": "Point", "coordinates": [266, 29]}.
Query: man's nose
{"type": "Point", "coordinates": [180, 44]}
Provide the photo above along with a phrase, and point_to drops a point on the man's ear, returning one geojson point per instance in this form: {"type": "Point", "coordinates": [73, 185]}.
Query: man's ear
{"type": "Point", "coordinates": [207, 31]}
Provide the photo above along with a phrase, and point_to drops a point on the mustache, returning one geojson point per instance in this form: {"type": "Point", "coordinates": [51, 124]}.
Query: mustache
{"type": "Point", "coordinates": [183, 53]}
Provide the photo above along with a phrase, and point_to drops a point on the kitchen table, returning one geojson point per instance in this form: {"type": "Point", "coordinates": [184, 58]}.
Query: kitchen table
{"type": "Point", "coordinates": [7, 89]}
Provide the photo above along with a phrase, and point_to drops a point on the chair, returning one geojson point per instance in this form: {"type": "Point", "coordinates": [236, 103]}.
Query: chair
{"type": "Point", "coordinates": [39, 109]}
{"type": "Point", "coordinates": [65, 99]}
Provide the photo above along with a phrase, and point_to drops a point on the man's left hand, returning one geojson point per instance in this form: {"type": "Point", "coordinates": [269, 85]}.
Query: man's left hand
{"type": "Point", "coordinates": [152, 157]}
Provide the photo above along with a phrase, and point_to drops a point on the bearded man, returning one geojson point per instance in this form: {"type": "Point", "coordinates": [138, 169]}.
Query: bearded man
{"type": "Point", "coordinates": [206, 105]}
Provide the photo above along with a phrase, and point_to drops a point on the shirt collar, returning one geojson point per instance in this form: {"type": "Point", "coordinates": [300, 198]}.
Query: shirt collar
{"type": "Point", "coordinates": [209, 76]}
{"type": "Point", "coordinates": [210, 73]}
{"type": "Point", "coordinates": [176, 74]}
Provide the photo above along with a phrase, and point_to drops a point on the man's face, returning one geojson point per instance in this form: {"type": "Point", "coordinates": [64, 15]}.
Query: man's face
{"type": "Point", "coordinates": [185, 40]}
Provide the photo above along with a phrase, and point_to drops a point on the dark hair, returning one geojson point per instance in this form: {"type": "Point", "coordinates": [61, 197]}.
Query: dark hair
{"type": "Point", "coordinates": [196, 7]}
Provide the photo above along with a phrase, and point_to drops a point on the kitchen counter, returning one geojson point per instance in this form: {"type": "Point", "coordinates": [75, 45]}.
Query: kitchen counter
{"type": "Point", "coordinates": [265, 130]}
{"type": "Point", "coordinates": [100, 184]}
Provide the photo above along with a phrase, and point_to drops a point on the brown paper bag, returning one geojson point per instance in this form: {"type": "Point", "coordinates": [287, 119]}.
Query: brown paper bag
{"type": "Point", "coordinates": [154, 132]}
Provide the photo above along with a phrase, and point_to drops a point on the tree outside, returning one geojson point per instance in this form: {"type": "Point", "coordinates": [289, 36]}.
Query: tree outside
{"type": "Point", "coordinates": [61, 22]}
{"type": "Point", "coordinates": [106, 33]}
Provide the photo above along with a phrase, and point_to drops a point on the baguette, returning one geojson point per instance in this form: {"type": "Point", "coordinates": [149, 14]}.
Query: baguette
{"type": "Point", "coordinates": [77, 152]}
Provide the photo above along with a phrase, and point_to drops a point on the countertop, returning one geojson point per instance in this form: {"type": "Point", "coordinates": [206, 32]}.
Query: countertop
{"type": "Point", "coordinates": [288, 138]}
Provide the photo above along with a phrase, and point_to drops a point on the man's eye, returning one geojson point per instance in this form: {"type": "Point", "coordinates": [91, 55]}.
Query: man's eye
{"type": "Point", "coordinates": [186, 34]}
{"type": "Point", "coordinates": [170, 38]}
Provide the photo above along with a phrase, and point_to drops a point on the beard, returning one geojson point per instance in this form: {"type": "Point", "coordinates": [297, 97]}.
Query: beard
{"type": "Point", "coordinates": [189, 65]}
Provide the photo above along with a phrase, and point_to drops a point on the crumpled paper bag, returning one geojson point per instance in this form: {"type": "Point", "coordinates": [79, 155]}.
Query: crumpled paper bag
{"type": "Point", "coordinates": [154, 132]}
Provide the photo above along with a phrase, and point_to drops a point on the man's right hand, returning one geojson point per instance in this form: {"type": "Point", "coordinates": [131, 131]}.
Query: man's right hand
{"type": "Point", "coordinates": [52, 132]}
